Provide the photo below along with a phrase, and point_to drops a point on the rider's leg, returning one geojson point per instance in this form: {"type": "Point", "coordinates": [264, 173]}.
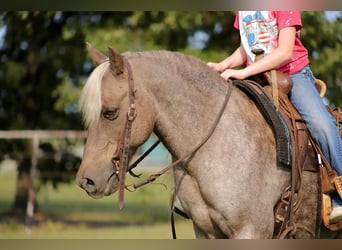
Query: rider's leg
{"type": "Point", "coordinates": [320, 123]}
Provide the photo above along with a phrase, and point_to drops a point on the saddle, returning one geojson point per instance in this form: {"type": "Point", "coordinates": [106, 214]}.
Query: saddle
{"type": "Point", "coordinates": [293, 142]}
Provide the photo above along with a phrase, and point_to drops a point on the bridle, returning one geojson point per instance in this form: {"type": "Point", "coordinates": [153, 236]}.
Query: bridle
{"type": "Point", "coordinates": [121, 157]}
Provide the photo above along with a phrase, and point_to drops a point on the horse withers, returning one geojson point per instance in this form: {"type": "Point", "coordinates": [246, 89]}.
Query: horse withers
{"type": "Point", "coordinates": [229, 186]}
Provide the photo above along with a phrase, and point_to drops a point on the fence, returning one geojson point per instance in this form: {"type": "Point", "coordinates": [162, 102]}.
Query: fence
{"type": "Point", "coordinates": [35, 136]}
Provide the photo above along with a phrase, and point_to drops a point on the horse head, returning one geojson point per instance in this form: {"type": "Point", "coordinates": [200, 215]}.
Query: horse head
{"type": "Point", "coordinates": [109, 104]}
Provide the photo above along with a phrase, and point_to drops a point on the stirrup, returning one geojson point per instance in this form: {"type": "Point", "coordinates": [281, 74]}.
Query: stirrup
{"type": "Point", "coordinates": [336, 215]}
{"type": "Point", "coordinates": [338, 185]}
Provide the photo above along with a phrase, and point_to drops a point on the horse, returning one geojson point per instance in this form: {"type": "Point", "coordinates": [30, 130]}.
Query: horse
{"type": "Point", "coordinates": [229, 183]}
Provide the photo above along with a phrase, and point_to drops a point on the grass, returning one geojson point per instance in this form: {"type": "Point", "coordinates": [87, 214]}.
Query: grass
{"type": "Point", "coordinates": [55, 230]}
{"type": "Point", "coordinates": [69, 213]}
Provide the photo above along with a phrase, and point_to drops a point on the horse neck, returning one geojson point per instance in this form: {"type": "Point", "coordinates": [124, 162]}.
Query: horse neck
{"type": "Point", "coordinates": [187, 96]}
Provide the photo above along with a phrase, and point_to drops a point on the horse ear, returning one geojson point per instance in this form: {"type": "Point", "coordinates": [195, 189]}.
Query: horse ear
{"type": "Point", "coordinates": [116, 61]}
{"type": "Point", "coordinates": [95, 55]}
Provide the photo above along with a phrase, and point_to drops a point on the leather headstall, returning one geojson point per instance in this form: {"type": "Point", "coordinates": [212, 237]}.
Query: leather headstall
{"type": "Point", "coordinates": [121, 156]}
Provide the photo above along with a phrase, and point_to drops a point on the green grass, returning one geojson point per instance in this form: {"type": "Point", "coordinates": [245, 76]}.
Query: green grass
{"type": "Point", "coordinates": [69, 212]}
{"type": "Point", "coordinates": [55, 230]}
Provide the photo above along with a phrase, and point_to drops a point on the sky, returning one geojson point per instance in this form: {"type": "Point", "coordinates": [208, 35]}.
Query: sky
{"type": "Point", "coordinates": [332, 15]}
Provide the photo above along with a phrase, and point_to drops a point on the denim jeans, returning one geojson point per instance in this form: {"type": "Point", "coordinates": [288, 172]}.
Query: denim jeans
{"type": "Point", "coordinates": [321, 125]}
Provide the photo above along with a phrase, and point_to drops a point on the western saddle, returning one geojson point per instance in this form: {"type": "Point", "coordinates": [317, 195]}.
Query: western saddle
{"type": "Point", "coordinates": [276, 86]}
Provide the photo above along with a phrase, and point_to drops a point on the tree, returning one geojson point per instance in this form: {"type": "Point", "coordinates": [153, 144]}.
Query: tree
{"type": "Point", "coordinates": [171, 30]}
{"type": "Point", "coordinates": [41, 54]}
{"type": "Point", "coordinates": [323, 38]}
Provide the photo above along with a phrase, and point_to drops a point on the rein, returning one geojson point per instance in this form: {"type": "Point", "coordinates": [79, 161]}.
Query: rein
{"type": "Point", "coordinates": [153, 177]}
{"type": "Point", "coordinates": [121, 156]}
{"type": "Point", "coordinates": [142, 157]}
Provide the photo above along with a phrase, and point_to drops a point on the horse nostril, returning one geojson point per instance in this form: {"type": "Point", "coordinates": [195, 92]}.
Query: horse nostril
{"type": "Point", "coordinates": [116, 157]}
{"type": "Point", "coordinates": [89, 182]}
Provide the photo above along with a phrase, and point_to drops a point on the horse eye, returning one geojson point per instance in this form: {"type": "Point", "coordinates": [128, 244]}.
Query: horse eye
{"type": "Point", "coordinates": [110, 113]}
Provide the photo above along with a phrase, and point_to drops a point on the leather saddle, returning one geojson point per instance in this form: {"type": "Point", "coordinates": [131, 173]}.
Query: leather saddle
{"type": "Point", "coordinates": [278, 85]}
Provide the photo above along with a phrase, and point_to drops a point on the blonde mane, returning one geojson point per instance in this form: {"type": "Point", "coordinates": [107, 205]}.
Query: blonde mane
{"type": "Point", "coordinates": [90, 100]}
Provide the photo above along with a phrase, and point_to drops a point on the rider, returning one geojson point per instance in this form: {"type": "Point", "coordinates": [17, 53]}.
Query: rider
{"type": "Point", "coordinates": [277, 33]}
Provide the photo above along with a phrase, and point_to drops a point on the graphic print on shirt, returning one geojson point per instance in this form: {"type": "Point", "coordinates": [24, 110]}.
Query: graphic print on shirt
{"type": "Point", "coordinates": [260, 31]}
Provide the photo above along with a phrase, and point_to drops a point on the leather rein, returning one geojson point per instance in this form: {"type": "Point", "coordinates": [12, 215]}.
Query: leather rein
{"type": "Point", "coordinates": [120, 158]}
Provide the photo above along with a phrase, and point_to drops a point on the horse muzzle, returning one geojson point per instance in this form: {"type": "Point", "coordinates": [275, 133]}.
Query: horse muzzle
{"type": "Point", "coordinates": [96, 188]}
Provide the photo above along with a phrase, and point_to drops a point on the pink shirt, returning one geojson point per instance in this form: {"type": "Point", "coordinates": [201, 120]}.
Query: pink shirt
{"type": "Point", "coordinates": [260, 30]}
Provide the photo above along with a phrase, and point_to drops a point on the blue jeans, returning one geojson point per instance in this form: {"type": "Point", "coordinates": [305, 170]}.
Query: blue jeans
{"type": "Point", "coordinates": [321, 125]}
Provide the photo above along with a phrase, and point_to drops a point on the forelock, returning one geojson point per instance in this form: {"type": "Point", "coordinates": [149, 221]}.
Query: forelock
{"type": "Point", "coordinates": [90, 100]}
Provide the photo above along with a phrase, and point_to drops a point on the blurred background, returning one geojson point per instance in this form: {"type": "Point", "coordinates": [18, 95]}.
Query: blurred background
{"type": "Point", "coordinates": [43, 66]}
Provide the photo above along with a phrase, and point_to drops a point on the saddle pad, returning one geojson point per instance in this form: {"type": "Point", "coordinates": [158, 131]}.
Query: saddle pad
{"type": "Point", "coordinates": [282, 133]}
